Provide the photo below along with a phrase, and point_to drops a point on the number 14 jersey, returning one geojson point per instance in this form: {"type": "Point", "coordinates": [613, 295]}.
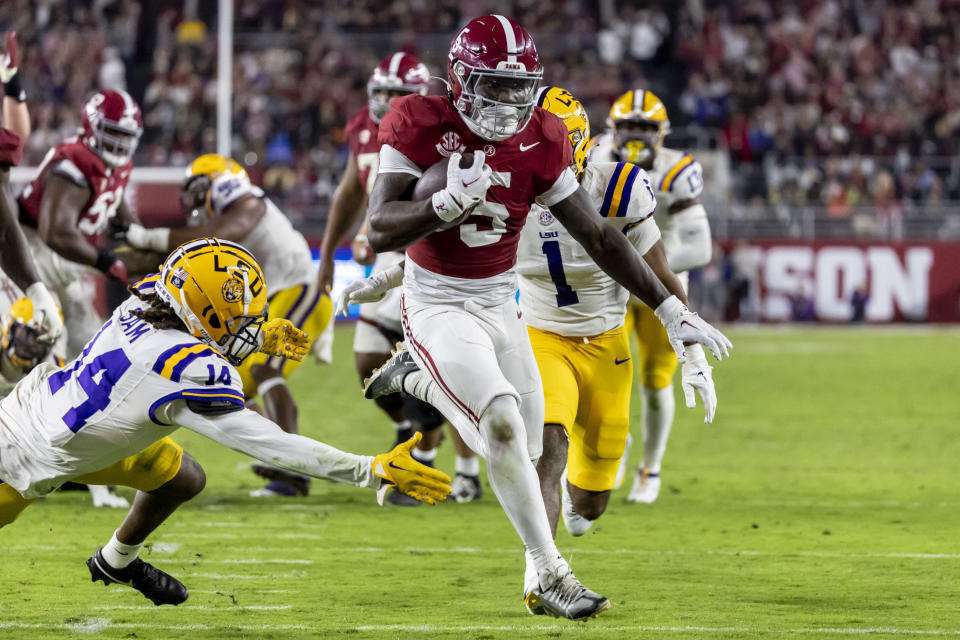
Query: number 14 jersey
{"type": "Point", "coordinates": [110, 402]}
{"type": "Point", "coordinates": [562, 290]}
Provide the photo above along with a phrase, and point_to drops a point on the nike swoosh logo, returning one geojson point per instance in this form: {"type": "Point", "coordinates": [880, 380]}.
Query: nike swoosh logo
{"type": "Point", "coordinates": [519, 315]}
{"type": "Point", "coordinates": [684, 322]}
{"type": "Point", "coordinates": [467, 184]}
{"type": "Point", "coordinates": [700, 373]}
{"type": "Point", "coordinates": [618, 361]}
{"type": "Point", "coordinates": [396, 467]}
{"type": "Point", "coordinates": [526, 147]}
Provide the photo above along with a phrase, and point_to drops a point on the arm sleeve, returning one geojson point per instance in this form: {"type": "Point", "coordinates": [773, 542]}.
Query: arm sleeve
{"type": "Point", "coordinates": [643, 234]}
{"type": "Point", "coordinates": [250, 433]}
{"type": "Point", "coordinates": [687, 239]}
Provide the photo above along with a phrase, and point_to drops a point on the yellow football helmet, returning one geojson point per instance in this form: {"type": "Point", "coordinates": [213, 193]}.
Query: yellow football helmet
{"type": "Point", "coordinates": [21, 349]}
{"type": "Point", "coordinates": [217, 288]}
{"type": "Point", "coordinates": [562, 104]}
{"type": "Point", "coordinates": [195, 190]}
{"type": "Point", "coordinates": [638, 121]}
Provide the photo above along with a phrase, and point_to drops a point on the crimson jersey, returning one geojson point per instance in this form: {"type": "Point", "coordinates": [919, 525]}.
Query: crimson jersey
{"type": "Point", "coordinates": [361, 134]}
{"type": "Point", "coordinates": [77, 163]}
{"type": "Point", "coordinates": [530, 165]}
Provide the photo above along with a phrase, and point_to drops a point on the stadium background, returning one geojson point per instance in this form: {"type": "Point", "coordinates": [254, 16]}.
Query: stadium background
{"type": "Point", "coordinates": [829, 132]}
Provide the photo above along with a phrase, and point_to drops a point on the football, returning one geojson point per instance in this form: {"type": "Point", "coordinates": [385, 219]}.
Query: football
{"type": "Point", "coordinates": [435, 178]}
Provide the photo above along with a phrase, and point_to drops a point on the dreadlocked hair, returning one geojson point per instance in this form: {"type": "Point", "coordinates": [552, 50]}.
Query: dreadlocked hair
{"type": "Point", "coordinates": [158, 313]}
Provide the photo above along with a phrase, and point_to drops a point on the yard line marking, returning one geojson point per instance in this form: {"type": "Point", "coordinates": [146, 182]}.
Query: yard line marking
{"type": "Point", "coordinates": [221, 592]}
{"type": "Point", "coordinates": [263, 561]}
{"type": "Point", "coordinates": [217, 576]}
{"type": "Point", "coordinates": [96, 625]}
{"type": "Point", "coordinates": [150, 607]}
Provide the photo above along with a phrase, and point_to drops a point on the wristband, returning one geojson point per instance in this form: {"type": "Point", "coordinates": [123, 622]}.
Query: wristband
{"type": "Point", "coordinates": [12, 89]}
{"type": "Point", "coordinates": [105, 260]}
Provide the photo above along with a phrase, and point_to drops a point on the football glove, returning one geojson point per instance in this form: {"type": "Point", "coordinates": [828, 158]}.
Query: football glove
{"type": "Point", "coordinates": [466, 188]}
{"type": "Point", "coordinates": [683, 325]}
{"type": "Point", "coordinates": [363, 253]}
{"type": "Point", "coordinates": [46, 313]}
{"type": "Point", "coordinates": [370, 289]}
{"type": "Point", "coordinates": [695, 377]}
{"type": "Point", "coordinates": [281, 338]}
{"type": "Point", "coordinates": [11, 60]}
{"type": "Point", "coordinates": [154, 239]}
{"type": "Point", "coordinates": [397, 468]}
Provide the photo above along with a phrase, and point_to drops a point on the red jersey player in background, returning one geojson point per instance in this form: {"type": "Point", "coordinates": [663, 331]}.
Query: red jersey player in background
{"type": "Point", "coordinates": [379, 327]}
{"type": "Point", "coordinates": [469, 352]}
{"type": "Point", "coordinates": [66, 209]}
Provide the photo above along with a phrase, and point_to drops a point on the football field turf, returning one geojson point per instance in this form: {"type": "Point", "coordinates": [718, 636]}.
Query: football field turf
{"type": "Point", "coordinates": [823, 503]}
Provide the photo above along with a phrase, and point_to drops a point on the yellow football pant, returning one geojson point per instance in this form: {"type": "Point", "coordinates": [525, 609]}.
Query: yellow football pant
{"type": "Point", "coordinates": [658, 360]}
{"type": "Point", "coordinates": [307, 308]}
{"type": "Point", "coordinates": [150, 469]}
{"type": "Point", "coordinates": [586, 389]}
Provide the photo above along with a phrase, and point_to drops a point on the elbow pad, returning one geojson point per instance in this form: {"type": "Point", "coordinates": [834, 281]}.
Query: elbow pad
{"type": "Point", "coordinates": [687, 239]}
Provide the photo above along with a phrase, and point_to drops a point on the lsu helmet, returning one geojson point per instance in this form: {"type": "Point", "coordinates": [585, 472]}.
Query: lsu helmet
{"type": "Point", "coordinates": [22, 349]}
{"type": "Point", "coordinates": [195, 190]}
{"type": "Point", "coordinates": [111, 126]}
{"type": "Point", "coordinates": [638, 121]}
{"type": "Point", "coordinates": [562, 104]}
{"type": "Point", "coordinates": [217, 289]}
{"type": "Point", "coordinates": [494, 71]}
{"type": "Point", "coordinates": [399, 72]}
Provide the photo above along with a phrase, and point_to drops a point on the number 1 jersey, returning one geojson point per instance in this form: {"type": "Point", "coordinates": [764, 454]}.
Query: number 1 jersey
{"type": "Point", "coordinates": [110, 402]}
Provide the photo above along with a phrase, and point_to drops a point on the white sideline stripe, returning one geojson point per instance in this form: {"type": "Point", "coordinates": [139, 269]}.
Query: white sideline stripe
{"type": "Point", "coordinates": [95, 625]}
{"type": "Point", "coordinates": [221, 592]}
{"type": "Point", "coordinates": [644, 628]}
{"type": "Point", "coordinates": [597, 552]}
{"type": "Point", "coordinates": [218, 576]}
{"type": "Point", "coordinates": [150, 607]}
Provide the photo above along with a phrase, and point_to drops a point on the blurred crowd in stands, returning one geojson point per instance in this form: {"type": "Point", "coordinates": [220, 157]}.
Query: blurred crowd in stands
{"type": "Point", "coordinates": [840, 103]}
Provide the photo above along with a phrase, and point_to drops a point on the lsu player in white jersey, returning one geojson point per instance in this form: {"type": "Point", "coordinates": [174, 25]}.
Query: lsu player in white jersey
{"type": "Point", "coordinates": [222, 202]}
{"type": "Point", "coordinates": [22, 349]}
{"type": "Point", "coordinates": [575, 317]}
{"type": "Point", "coordinates": [636, 128]}
{"type": "Point", "coordinates": [166, 359]}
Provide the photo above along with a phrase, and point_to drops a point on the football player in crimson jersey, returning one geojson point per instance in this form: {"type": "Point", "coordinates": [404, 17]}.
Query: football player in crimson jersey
{"type": "Point", "coordinates": [379, 327]}
{"type": "Point", "coordinates": [461, 322]}
{"type": "Point", "coordinates": [65, 210]}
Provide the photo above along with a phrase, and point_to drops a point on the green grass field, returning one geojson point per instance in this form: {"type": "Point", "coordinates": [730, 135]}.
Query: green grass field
{"type": "Point", "coordinates": [823, 502]}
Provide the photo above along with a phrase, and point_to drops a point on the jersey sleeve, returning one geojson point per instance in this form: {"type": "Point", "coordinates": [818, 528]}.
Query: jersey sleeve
{"type": "Point", "coordinates": [683, 181]}
{"type": "Point", "coordinates": [67, 168]}
{"type": "Point", "coordinates": [352, 132]}
{"type": "Point", "coordinates": [204, 380]}
{"type": "Point", "coordinates": [642, 234]}
{"type": "Point", "coordinates": [629, 194]}
{"type": "Point", "coordinates": [553, 181]}
{"type": "Point", "coordinates": [229, 188]}
{"type": "Point", "coordinates": [11, 148]}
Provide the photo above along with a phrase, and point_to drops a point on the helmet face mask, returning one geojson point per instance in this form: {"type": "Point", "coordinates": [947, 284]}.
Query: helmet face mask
{"type": "Point", "coordinates": [637, 140]}
{"type": "Point", "coordinates": [22, 349]}
{"type": "Point", "coordinates": [494, 73]}
{"type": "Point", "coordinates": [639, 123]}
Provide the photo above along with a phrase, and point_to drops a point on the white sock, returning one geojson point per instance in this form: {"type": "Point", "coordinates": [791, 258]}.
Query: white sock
{"type": "Point", "coordinates": [403, 424]}
{"type": "Point", "coordinates": [514, 481]}
{"type": "Point", "coordinates": [658, 409]}
{"type": "Point", "coordinates": [119, 555]}
{"type": "Point", "coordinates": [467, 466]}
{"type": "Point", "coordinates": [420, 385]}
{"type": "Point", "coordinates": [424, 455]}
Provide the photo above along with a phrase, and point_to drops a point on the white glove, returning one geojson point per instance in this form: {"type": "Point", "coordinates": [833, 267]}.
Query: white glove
{"type": "Point", "coordinates": [683, 325]}
{"type": "Point", "coordinates": [695, 376]}
{"type": "Point", "coordinates": [370, 289]}
{"type": "Point", "coordinates": [466, 188]}
{"type": "Point", "coordinates": [46, 313]}
{"type": "Point", "coordinates": [154, 239]}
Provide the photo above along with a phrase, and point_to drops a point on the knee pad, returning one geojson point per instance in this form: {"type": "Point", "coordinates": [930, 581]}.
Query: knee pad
{"type": "Point", "coordinates": [422, 413]}
{"type": "Point", "coordinates": [390, 402]}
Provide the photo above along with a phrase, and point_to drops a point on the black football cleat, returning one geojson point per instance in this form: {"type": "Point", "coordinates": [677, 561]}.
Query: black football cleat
{"type": "Point", "coordinates": [400, 499]}
{"type": "Point", "coordinates": [155, 585]}
{"type": "Point", "coordinates": [389, 377]}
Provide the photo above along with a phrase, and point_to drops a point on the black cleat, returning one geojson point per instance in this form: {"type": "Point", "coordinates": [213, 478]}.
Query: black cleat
{"type": "Point", "coordinates": [157, 586]}
{"type": "Point", "coordinates": [400, 499]}
{"type": "Point", "coordinates": [389, 377]}
{"type": "Point", "coordinates": [284, 483]}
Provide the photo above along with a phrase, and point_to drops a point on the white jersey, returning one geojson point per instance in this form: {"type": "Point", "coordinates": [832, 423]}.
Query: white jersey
{"type": "Point", "coordinates": [281, 250]}
{"type": "Point", "coordinates": [676, 177]}
{"type": "Point", "coordinates": [132, 385]}
{"type": "Point", "coordinates": [562, 290]}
